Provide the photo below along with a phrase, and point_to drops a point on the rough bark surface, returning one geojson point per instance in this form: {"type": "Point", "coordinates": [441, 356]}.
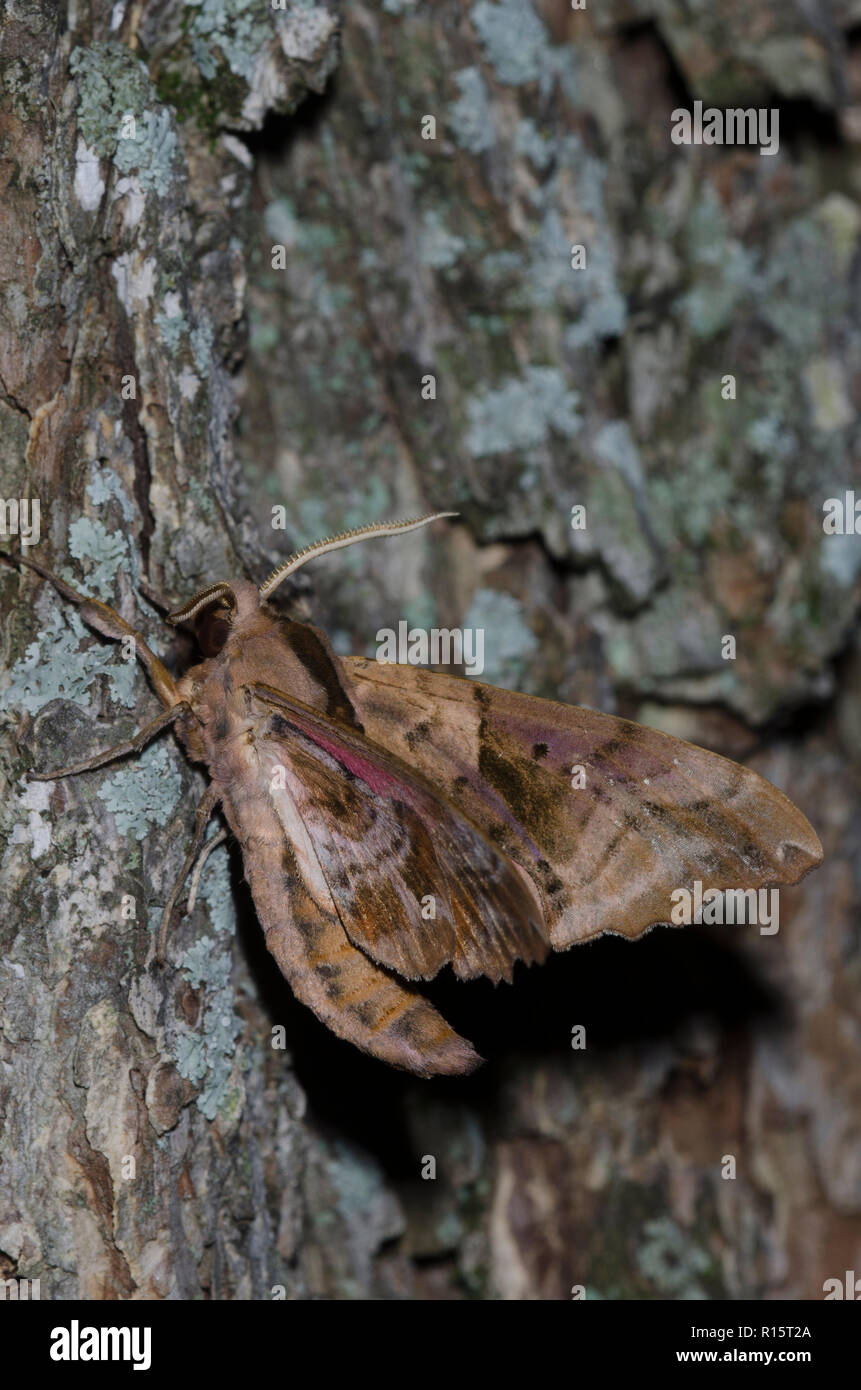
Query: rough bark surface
{"type": "Point", "coordinates": [146, 254]}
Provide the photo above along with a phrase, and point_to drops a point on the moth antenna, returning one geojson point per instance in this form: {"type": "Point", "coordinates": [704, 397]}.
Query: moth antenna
{"type": "Point", "coordinates": [361, 533]}
{"type": "Point", "coordinates": [200, 600]}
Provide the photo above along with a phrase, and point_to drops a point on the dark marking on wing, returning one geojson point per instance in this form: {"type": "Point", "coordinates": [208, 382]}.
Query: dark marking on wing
{"type": "Point", "coordinates": [308, 647]}
{"type": "Point", "coordinates": [533, 798]}
{"type": "Point", "coordinates": [419, 734]}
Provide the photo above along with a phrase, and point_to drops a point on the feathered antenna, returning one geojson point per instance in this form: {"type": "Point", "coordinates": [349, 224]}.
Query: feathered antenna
{"type": "Point", "coordinates": [362, 533]}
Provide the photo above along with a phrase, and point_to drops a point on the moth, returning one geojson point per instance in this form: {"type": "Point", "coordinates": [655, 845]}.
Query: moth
{"type": "Point", "coordinates": [393, 820]}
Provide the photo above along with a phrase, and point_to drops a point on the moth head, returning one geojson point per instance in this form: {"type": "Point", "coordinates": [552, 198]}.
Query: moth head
{"type": "Point", "coordinates": [212, 612]}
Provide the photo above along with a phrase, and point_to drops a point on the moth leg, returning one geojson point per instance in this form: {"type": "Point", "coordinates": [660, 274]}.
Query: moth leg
{"type": "Point", "coordinates": [120, 750]}
{"type": "Point", "coordinates": [210, 845]}
{"type": "Point", "coordinates": [205, 808]}
{"type": "Point", "coordinates": [109, 623]}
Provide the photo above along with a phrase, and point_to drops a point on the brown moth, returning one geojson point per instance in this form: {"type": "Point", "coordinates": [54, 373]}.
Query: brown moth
{"type": "Point", "coordinates": [361, 792]}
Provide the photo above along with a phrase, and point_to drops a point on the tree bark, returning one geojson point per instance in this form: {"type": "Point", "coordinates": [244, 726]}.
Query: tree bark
{"type": "Point", "coordinates": [153, 1141]}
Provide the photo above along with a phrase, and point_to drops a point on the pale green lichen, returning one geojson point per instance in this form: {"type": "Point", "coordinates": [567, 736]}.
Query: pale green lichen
{"type": "Point", "coordinates": [614, 443]}
{"type": "Point", "coordinates": [281, 222]}
{"type": "Point", "coordinates": [671, 640]}
{"type": "Point", "coordinates": [206, 1054]}
{"type": "Point", "coordinates": [201, 337]}
{"type": "Point", "coordinates": [106, 550]}
{"type": "Point", "coordinates": [550, 281]}
{"type": "Point", "coordinates": [438, 247]}
{"type": "Point", "coordinates": [332, 299]}
{"type": "Point", "coordinates": [216, 890]}
{"type": "Point", "coordinates": [724, 270]}
{"type": "Point", "coordinates": [840, 559]}
{"type": "Point", "coordinates": [605, 312]}
{"type": "Point", "coordinates": [364, 1198]}
{"type": "Point", "coordinates": [263, 338]}
{"type": "Point", "coordinates": [236, 30]}
{"type": "Point", "coordinates": [152, 151]}
{"type": "Point", "coordinates": [594, 290]}
{"type": "Point", "coordinates": [53, 667]}
{"type": "Point", "coordinates": [471, 115]}
{"type": "Point", "coordinates": [529, 141]}
{"type": "Point", "coordinates": [143, 794]}
{"type": "Point", "coordinates": [801, 309]}
{"type": "Point", "coordinates": [519, 414]}
{"type": "Point", "coordinates": [671, 1261]}
{"type": "Point", "coordinates": [589, 297]}
{"type": "Point", "coordinates": [514, 40]}
{"type": "Point", "coordinates": [768, 436]}
{"type": "Point", "coordinates": [171, 324]}
{"type": "Point", "coordinates": [113, 86]}
{"type": "Point", "coordinates": [190, 1054]}
{"type": "Point", "coordinates": [286, 229]}
{"type": "Point", "coordinates": [419, 611]}
{"type": "Point", "coordinates": [107, 484]}
{"type": "Point", "coordinates": [509, 642]}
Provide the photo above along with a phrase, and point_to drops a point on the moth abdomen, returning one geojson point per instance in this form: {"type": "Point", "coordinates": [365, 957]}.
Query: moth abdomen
{"type": "Point", "coordinates": [355, 998]}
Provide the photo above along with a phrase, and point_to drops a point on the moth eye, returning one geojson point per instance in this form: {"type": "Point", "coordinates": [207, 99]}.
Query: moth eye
{"type": "Point", "coordinates": [212, 630]}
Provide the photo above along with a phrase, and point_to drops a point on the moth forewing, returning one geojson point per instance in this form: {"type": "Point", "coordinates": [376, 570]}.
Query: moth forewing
{"type": "Point", "coordinates": [491, 914]}
{"type": "Point", "coordinates": [377, 854]}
